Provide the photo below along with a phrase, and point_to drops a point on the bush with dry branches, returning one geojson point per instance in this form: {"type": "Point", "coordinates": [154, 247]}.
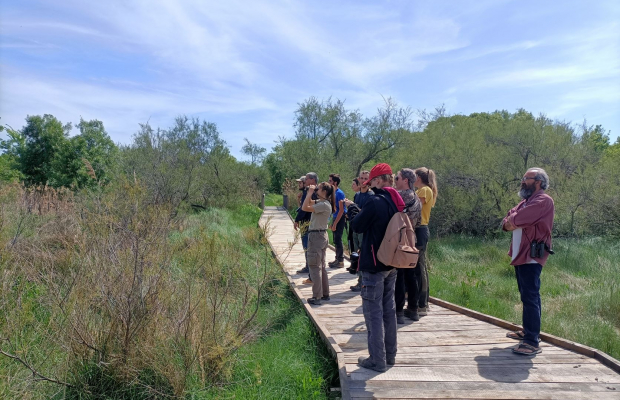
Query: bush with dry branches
{"type": "Point", "coordinates": [101, 297]}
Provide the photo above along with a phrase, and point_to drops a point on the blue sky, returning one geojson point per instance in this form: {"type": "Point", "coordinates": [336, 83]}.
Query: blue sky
{"type": "Point", "coordinates": [246, 64]}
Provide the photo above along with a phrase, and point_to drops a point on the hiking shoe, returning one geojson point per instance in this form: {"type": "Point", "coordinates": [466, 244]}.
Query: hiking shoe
{"type": "Point", "coordinates": [336, 264]}
{"type": "Point", "coordinates": [390, 360]}
{"type": "Point", "coordinates": [325, 298]}
{"type": "Point", "coordinates": [365, 362]}
{"type": "Point", "coordinates": [356, 288]}
{"type": "Point", "coordinates": [304, 270]}
{"type": "Point", "coordinates": [313, 301]}
{"type": "Point", "coordinates": [307, 281]}
{"type": "Point", "coordinates": [400, 318]}
{"type": "Point", "coordinates": [412, 314]}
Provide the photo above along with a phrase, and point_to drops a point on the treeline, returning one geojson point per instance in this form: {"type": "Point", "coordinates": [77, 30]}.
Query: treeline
{"type": "Point", "coordinates": [479, 160]}
{"type": "Point", "coordinates": [186, 164]}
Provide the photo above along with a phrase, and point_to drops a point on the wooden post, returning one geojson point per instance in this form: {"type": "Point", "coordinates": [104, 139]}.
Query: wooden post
{"type": "Point", "coordinates": [285, 201]}
{"type": "Point", "coordinates": [262, 202]}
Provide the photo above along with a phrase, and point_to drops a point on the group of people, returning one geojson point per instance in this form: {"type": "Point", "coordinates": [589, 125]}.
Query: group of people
{"type": "Point", "coordinates": [385, 290]}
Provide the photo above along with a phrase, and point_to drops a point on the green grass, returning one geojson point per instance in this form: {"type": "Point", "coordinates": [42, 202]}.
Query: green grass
{"type": "Point", "coordinates": [273, 199]}
{"type": "Point", "coordinates": [580, 285]}
{"type": "Point", "coordinates": [289, 359]}
{"type": "Point", "coordinates": [286, 360]}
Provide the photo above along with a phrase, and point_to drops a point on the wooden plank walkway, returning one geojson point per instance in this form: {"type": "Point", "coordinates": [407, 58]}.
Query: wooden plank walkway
{"type": "Point", "coordinates": [447, 354]}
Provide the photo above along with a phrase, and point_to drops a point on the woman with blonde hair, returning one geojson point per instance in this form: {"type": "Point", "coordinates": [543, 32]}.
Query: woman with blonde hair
{"type": "Point", "coordinates": [321, 210]}
{"type": "Point", "coordinates": [427, 192]}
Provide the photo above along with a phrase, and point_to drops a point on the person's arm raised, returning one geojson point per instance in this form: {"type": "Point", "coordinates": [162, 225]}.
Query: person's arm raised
{"type": "Point", "coordinates": [307, 206]}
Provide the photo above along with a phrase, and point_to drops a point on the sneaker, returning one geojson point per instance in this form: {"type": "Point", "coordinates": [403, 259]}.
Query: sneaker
{"type": "Point", "coordinates": [365, 362]}
{"type": "Point", "coordinates": [400, 318]}
{"type": "Point", "coordinates": [390, 360]}
{"type": "Point", "coordinates": [423, 311]}
{"type": "Point", "coordinates": [313, 301]}
{"type": "Point", "coordinates": [307, 282]}
{"type": "Point", "coordinates": [325, 298]}
{"type": "Point", "coordinates": [412, 314]}
{"type": "Point", "coordinates": [304, 270]}
{"type": "Point", "coordinates": [356, 288]}
{"type": "Point", "coordinates": [337, 264]}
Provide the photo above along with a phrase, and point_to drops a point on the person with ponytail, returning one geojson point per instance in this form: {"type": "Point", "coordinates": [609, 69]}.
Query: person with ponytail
{"type": "Point", "coordinates": [427, 192]}
{"type": "Point", "coordinates": [321, 210]}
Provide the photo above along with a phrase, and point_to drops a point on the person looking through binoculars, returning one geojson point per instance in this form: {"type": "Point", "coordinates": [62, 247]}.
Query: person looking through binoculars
{"type": "Point", "coordinates": [321, 209]}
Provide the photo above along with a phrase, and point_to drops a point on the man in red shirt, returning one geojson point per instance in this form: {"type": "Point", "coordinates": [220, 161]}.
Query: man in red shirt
{"type": "Point", "coordinates": [530, 222]}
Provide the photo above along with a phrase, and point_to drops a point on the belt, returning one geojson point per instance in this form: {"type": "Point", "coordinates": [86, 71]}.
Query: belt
{"type": "Point", "coordinates": [317, 230]}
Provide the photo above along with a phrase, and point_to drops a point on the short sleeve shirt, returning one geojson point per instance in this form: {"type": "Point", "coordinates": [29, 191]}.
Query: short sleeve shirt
{"type": "Point", "coordinates": [320, 216]}
{"type": "Point", "coordinates": [429, 202]}
{"type": "Point", "coordinates": [339, 196]}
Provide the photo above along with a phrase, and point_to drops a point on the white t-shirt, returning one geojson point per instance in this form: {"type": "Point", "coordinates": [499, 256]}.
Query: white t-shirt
{"type": "Point", "coordinates": [517, 234]}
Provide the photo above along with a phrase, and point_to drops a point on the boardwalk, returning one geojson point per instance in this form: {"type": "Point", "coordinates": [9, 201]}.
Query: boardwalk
{"type": "Point", "coordinates": [447, 354]}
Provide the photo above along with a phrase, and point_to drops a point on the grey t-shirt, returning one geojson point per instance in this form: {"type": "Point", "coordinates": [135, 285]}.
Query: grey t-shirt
{"type": "Point", "coordinates": [320, 215]}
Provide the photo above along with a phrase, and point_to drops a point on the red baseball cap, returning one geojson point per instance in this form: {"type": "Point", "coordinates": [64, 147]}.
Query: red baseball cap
{"type": "Point", "coordinates": [378, 170]}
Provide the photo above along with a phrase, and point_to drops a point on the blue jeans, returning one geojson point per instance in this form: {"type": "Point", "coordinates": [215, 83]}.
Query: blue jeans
{"type": "Point", "coordinates": [528, 281]}
{"type": "Point", "coordinates": [380, 314]}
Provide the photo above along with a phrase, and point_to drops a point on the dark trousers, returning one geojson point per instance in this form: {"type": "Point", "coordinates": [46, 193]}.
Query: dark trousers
{"type": "Point", "coordinates": [407, 282]}
{"type": "Point", "coordinates": [422, 234]}
{"type": "Point", "coordinates": [528, 281]}
{"type": "Point", "coordinates": [338, 239]}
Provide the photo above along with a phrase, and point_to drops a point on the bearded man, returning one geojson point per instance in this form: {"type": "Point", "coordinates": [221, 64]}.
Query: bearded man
{"type": "Point", "coordinates": [531, 223]}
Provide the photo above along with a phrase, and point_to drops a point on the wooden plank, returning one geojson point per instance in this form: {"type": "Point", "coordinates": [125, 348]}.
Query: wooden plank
{"type": "Point", "coordinates": [605, 359]}
{"type": "Point", "coordinates": [397, 393]}
{"type": "Point", "coordinates": [414, 360]}
{"type": "Point", "coordinates": [437, 349]}
{"type": "Point", "coordinates": [583, 387]}
{"type": "Point", "coordinates": [589, 373]}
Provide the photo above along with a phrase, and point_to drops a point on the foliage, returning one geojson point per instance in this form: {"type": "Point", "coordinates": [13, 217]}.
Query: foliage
{"type": "Point", "coordinates": [120, 298]}
{"type": "Point", "coordinates": [43, 154]}
{"type": "Point", "coordinates": [331, 139]}
{"type": "Point", "coordinates": [35, 147]}
{"type": "Point", "coordinates": [256, 152]}
{"type": "Point", "coordinates": [479, 160]}
{"type": "Point", "coordinates": [85, 160]}
{"type": "Point", "coordinates": [189, 163]}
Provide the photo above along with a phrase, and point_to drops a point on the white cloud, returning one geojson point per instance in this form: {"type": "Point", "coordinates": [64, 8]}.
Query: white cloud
{"type": "Point", "coordinates": [123, 61]}
{"type": "Point", "coordinates": [120, 105]}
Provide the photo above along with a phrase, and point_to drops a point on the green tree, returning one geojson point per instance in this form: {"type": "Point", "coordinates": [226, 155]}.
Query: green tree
{"type": "Point", "coordinates": [254, 151]}
{"type": "Point", "coordinates": [85, 160]}
{"type": "Point", "coordinates": [9, 161]}
{"type": "Point", "coordinates": [43, 137]}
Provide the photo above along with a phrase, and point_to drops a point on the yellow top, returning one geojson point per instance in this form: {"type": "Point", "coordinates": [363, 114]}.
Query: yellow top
{"type": "Point", "coordinates": [429, 202]}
